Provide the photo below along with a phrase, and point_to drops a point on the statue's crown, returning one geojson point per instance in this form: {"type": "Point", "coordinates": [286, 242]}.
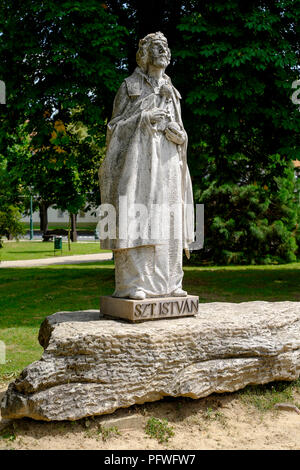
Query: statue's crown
{"type": "Point", "coordinates": [154, 36]}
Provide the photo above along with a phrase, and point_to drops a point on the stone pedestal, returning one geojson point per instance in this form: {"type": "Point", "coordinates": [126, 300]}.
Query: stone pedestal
{"type": "Point", "coordinates": [149, 309]}
{"type": "Point", "coordinates": [93, 366]}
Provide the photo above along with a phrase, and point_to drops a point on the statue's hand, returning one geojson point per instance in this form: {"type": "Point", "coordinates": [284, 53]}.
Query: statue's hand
{"type": "Point", "coordinates": [156, 115]}
{"type": "Point", "coordinates": [174, 134]}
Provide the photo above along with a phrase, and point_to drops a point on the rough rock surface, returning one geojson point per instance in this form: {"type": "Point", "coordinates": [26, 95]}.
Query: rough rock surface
{"type": "Point", "coordinates": [93, 366]}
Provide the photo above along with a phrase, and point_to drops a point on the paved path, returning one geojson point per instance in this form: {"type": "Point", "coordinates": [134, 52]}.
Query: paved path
{"type": "Point", "coordinates": [56, 260]}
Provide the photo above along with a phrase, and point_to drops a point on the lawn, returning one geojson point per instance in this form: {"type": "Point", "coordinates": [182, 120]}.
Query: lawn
{"type": "Point", "coordinates": [13, 251]}
{"type": "Point", "coordinates": [28, 295]}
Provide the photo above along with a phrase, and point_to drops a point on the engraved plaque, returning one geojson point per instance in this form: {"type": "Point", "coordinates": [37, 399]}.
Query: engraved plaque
{"type": "Point", "coordinates": [150, 308]}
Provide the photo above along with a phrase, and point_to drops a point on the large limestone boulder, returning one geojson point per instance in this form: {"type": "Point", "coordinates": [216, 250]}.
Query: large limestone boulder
{"type": "Point", "coordinates": [93, 366]}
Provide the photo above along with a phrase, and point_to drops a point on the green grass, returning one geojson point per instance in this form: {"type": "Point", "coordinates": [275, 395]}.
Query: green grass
{"type": "Point", "coordinates": [28, 295]}
{"type": "Point", "coordinates": [108, 432]}
{"type": "Point", "coordinates": [13, 251]}
{"type": "Point", "coordinates": [244, 283]}
{"type": "Point", "coordinates": [264, 397]}
{"type": "Point", "coordinates": [159, 430]}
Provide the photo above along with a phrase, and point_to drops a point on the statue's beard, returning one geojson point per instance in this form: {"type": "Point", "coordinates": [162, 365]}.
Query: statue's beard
{"type": "Point", "coordinates": [159, 61]}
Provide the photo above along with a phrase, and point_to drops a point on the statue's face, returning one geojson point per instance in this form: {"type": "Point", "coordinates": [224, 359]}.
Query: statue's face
{"type": "Point", "coordinates": [158, 53]}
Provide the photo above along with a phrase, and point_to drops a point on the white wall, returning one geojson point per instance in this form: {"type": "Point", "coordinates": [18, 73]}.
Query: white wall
{"type": "Point", "coordinates": [55, 215]}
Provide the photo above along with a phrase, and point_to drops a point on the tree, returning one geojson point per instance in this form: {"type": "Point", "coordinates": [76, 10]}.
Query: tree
{"type": "Point", "coordinates": [11, 204]}
{"type": "Point", "coordinates": [61, 64]}
{"type": "Point", "coordinates": [248, 224]}
{"type": "Point", "coordinates": [10, 223]}
{"type": "Point", "coordinates": [233, 62]}
{"type": "Point", "coordinates": [57, 165]}
{"type": "Point", "coordinates": [58, 56]}
{"type": "Point", "coordinates": [244, 128]}
{"type": "Point", "coordinates": [243, 59]}
{"type": "Point", "coordinates": [79, 156]}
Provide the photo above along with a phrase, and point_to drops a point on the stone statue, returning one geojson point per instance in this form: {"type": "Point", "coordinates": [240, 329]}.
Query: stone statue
{"type": "Point", "coordinates": [145, 166]}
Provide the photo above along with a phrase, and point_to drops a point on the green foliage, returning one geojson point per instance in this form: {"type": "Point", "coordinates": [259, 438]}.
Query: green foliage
{"type": "Point", "coordinates": [264, 397]}
{"type": "Point", "coordinates": [159, 429]}
{"type": "Point", "coordinates": [215, 415]}
{"type": "Point", "coordinates": [61, 65]}
{"type": "Point", "coordinates": [244, 130]}
{"type": "Point", "coordinates": [108, 432]}
{"type": "Point", "coordinates": [10, 223]}
{"type": "Point", "coordinates": [249, 224]}
{"type": "Point", "coordinates": [9, 432]}
{"type": "Point", "coordinates": [11, 206]}
{"type": "Point", "coordinates": [233, 62]}
{"type": "Point", "coordinates": [57, 56]}
{"type": "Point", "coordinates": [58, 166]}
{"type": "Point", "coordinates": [242, 59]}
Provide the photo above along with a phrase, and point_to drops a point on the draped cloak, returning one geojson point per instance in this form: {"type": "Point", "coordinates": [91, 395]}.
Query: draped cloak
{"type": "Point", "coordinates": [139, 159]}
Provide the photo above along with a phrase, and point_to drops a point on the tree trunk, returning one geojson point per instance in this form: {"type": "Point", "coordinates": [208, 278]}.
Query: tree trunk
{"type": "Point", "coordinates": [73, 227]}
{"type": "Point", "coordinates": [69, 230]}
{"type": "Point", "coordinates": [43, 209]}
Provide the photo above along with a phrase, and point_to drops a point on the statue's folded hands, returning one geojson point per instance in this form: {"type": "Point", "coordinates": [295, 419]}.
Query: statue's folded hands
{"type": "Point", "coordinates": [156, 114]}
{"type": "Point", "coordinates": [175, 134]}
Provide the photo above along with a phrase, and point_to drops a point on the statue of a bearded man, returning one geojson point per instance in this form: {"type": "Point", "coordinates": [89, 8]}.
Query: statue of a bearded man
{"type": "Point", "coordinates": [145, 167]}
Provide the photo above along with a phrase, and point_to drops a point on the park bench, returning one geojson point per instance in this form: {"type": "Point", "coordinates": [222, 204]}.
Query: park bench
{"type": "Point", "coordinates": [50, 234]}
